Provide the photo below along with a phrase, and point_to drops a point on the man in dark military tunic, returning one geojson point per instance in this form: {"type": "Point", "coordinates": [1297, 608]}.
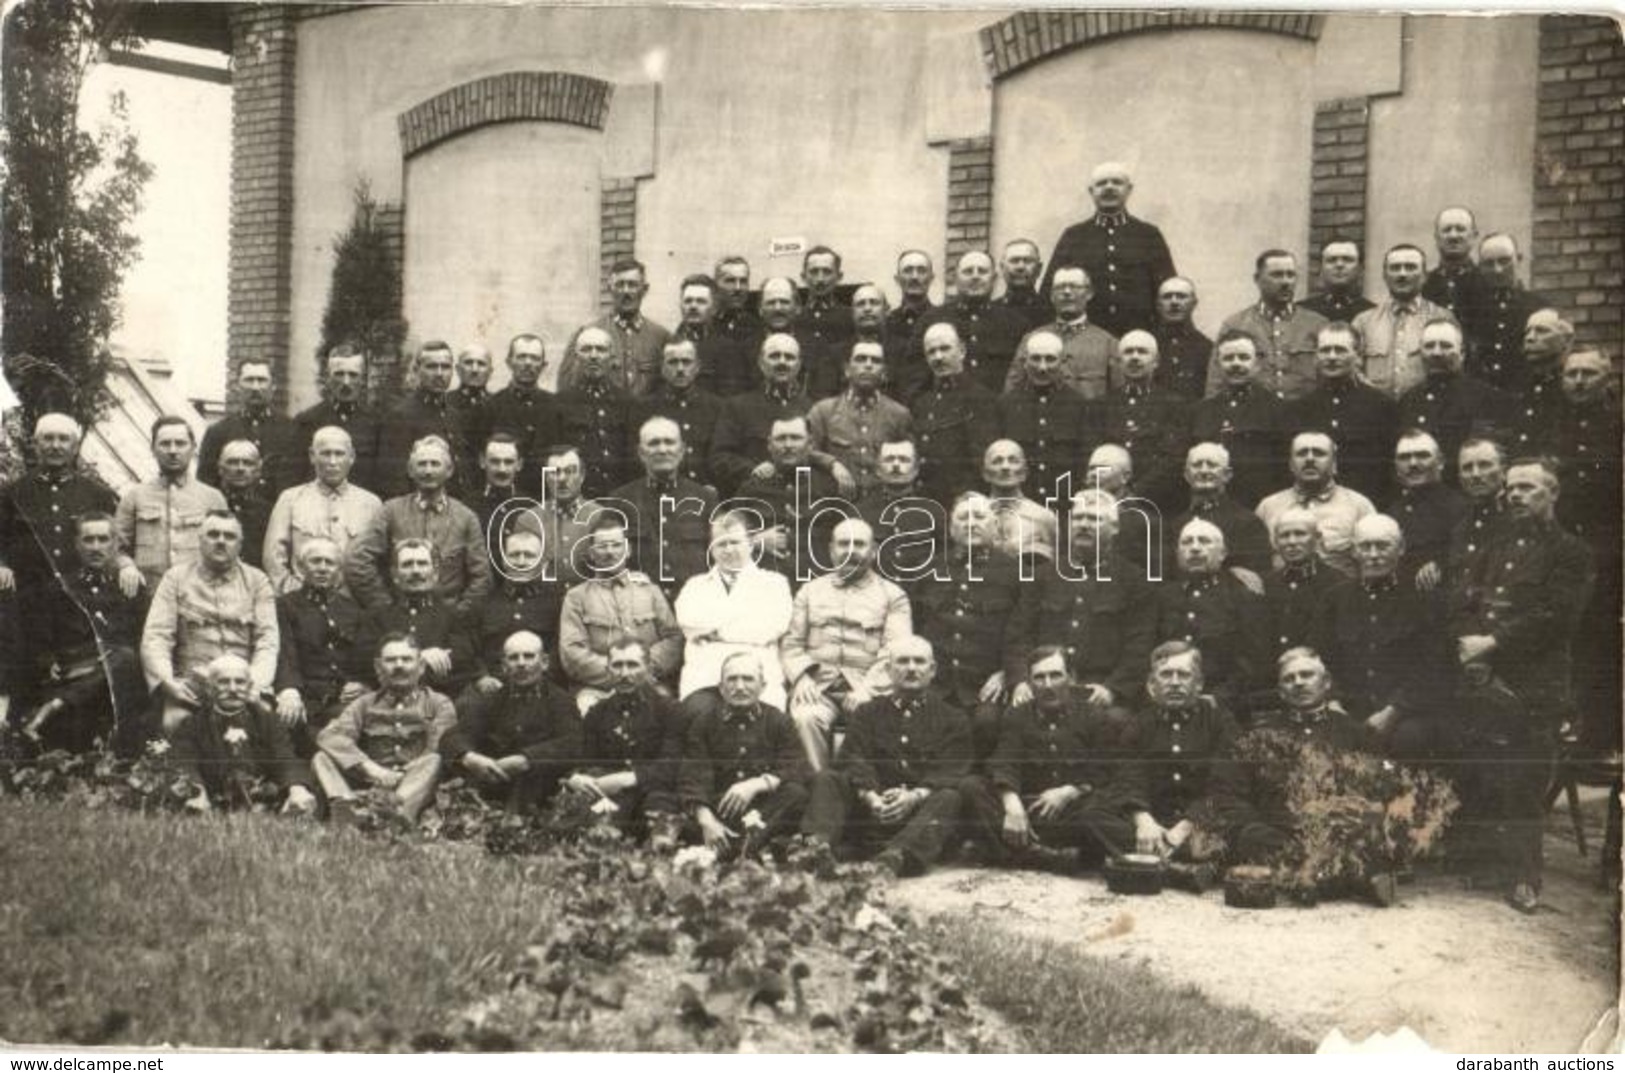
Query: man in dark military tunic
{"type": "Point", "coordinates": [1125, 256]}
{"type": "Point", "coordinates": [1245, 418]}
{"type": "Point", "coordinates": [1386, 645]}
{"type": "Point", "coordinates": [1481, 468]}
{"type": "Point", "coordinates": [278, 440]}
{"type": "Point", "coordinates": [1151, 421]}
{"type": "Point", "coordinates": [1185, 351]}
{"type": "Point", "coordinates": [1547, 340]}
{"type": "Point", "coordinates": [240, 482]}
{"type": "Point", "coordinates": [915, 274]}
{"type": "Point", "coordinates": [954, 418]}
{"type": "Point", "coordinates": [1056, 427]}
{"type": "Point", "coordinates": [427, 411]}
{"type": "Point", "coordinates": [1456, 285]}
{"type": "Point", "coordinates": [1062, 784]}
{"type": "Point", "coordinates": [965, 610]}
{"type": "Point", "coordinates": [1449, 403]}
{"type": "Point", "coordinates": [321, 665]}
{"type": "Point", "coordinates": [1360, 419]}
{"type": "Point", "coordinates": [1208, 607]}
{"type": "Point", "coordinates": [895, 783]}
{"type": "Point", "coordinates": [669, 515]}
{"type": "Point", "coordinates": [516, 742]}
{"type": "Point", "coordinates": [990, 333]}
{"type": "Point", "coordinates": [1496, 328]}
{"type": "Point", "coordinates": [736, 327]}
{"type": "Point", "coordinates": [824, 326]}
{"type": "Point", "coordinates": [1514, 609]}
{"type": "Point", "coordinates": [631, 745]}
{"type": "Point", "coordinates": [1427, 509]}
{"type": "Point", "coordinates": [1339, 298]}
{"type": "Point", "coordinates": [1092, 603]}
{"type": "Point", "coordinates": [1184, 741]}
{"type": "Point", "coordinates": [794, 523]}
{"type": "Point", "coordinates": [521, 410]}
{"type": "Point", "coordinates": [90, 681]}
{"type": "Point", "coordinates": [676, 396]}
{"type": "Point", "coordinates": [594, 415]}
{"type": "Point", "coordinates": [1020, 267]}
{"type": "Point", "coordinates": [522, 600]}
{"type": "Point", "coordinates": [421, 612]}
{"type": "Point", "coordinates": [1294, 591]}
{"type": "Point", "coordinates": [344, 387]}
{"type": "Point", "coordinates": [742, 761]}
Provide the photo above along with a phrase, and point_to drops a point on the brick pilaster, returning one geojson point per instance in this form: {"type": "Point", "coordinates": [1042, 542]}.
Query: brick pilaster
{"type": "Point", "coordinates": [1578, 258]}
{"type": "Point", "coordinates": [970, 198]}
{"type": "Point", "coordinates": [617, 230]}
{"type": "Point", "coordinates": [259, 289]}
{"type": "Point", "coordinates": [1338, 169]}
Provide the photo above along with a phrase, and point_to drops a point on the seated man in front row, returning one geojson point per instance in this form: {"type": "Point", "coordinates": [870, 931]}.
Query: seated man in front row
{"type": "Point", "coordinates": [839, 624]}
{"type": "Point", "coordinates": [901, 765]}
{"type": "Point", "coordinates": [386, 738]}
{"type": "Point", "coordinates": [1061, 785]}
{"type": "Point", "coordinates": [321, 665]}
{"type": "Point", "coordinates": [739, 759]}
{"type": "Point", "coordinates": [631, 744]}
{"type": "Point", "coordinates": [518, 740]}
{"type": "Point", "coordinates": [1183, 738]}
{"type": "Point", "coordinates": [230, 733]}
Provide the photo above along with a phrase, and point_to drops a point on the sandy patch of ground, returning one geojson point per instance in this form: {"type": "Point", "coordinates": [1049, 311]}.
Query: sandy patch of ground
{"type": "Point", "coordinates": [1462, 969]}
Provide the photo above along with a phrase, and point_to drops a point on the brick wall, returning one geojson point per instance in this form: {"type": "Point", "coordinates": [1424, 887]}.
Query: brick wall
{"type": "Point", "coordinates": [1339, 165]}
{"type": "Point", "coordinates": [1029, 36]}
{"type": "Point", "coordinates": [263, 42]}
{"type": "Point", "coordinates": [1578, 259]}
{"type": "Point", "coordinates": [970, 198]}
{"type": "Point", "coordinates": [548, 95]}
{"type": "Point", "coordinates": [617, 229]}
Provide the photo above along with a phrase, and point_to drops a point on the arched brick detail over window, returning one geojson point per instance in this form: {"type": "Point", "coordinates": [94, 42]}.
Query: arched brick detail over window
{"type": "Point", "coordinates": [555, 96]}
{"type": "Point", "coordinates": [1029, 36]}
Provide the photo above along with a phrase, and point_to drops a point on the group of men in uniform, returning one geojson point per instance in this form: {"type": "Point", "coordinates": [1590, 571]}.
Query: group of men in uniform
{"type": "Point", "coordinates": [1017, 567]}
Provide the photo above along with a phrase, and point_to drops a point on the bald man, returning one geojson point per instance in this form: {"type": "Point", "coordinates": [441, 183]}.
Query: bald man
{"type": "Point", "coordinates": [1205, 605]}
{"type": "Point", "coordinates": [517, 741]}
{"type": "Point", "coordinates": [990, 333]}
{"type": "Point", "coordinates": [1495, 328]}
{"type": "Point", "coordinates": [473, 379]}
{"type": "Point", "coordinates": [1151, 421]}
{"type": "Point", "coordinates": [230, 734]}
{"type": "Point", "coordinates": [330, 507]}
{"type": "Point", "coordinates": [1126, 257]}
{"type": "Point", "coordinates": [739, 444]}
{"type": "Point", "coordinates": [1055, 426]}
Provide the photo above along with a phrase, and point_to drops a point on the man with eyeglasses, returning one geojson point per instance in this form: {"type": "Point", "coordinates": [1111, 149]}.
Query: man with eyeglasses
{"type": "Point", "coordinates": [1088, 354]}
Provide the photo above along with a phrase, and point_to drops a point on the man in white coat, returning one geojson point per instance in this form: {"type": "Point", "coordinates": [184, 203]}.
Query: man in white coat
{"type": "Point", "coordinates": [735, 606]}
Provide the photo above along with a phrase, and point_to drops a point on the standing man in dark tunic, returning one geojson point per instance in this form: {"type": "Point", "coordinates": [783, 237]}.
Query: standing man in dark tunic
{"type": "Point", "coordinates": [989, 332]}
{"type": "Point", "coordinates": [1340, 298]}
{"type": "Point", "coordinates": [1126, 257]}
{"type": "Point", "coordinates": [276, 437]}
{"type": "Point", "coordinates": [1020, 268]}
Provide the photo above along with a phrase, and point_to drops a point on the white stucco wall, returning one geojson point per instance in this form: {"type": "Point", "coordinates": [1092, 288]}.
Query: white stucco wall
{"type": "Point", "coordinates": [1215, 126]}
{"type": "Point", "coordinates": [1462, 133]}
{"type": "Point", "coordinates": [821, 124]}
{"type": "Point", "coordinates": [800, 123]}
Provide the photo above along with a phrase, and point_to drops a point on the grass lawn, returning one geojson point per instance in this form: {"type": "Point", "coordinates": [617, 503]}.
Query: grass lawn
{"type": "Point", "coordinates": [248, 931]}
{"type": "Point", "coordinates": [1059, 1001]}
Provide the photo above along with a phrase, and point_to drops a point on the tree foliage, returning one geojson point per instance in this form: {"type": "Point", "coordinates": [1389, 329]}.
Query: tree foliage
{"type": "Point", "coordinates": [70, 198]}
{"type": "Point", "coordinates": [364, 299]}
